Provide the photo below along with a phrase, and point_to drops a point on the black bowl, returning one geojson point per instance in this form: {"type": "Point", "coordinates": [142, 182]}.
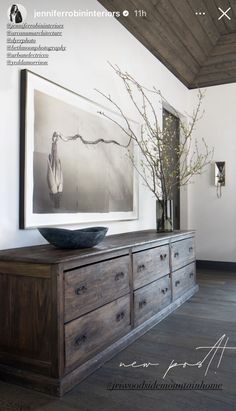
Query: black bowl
{"type": "Point", "coordinates": [73, 239]}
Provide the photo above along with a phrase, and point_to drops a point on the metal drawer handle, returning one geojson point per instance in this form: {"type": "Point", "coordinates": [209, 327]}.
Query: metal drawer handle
{"type": "Point", "coordinates": [190, 249]}
{"type": "Point", "coordinates": [142, 303]}
{"type": "Point", "coordinates": [120, 316]}
{"type": "Point", "coordinates": [163, 256]}
{"type": "Point", "coordinates": [191, 274]}
{"type": "Point", "coordinates": [81, 339]}
{"type": "Point", "coordinates": [177, 283]}
{"type": "Point", "coordinates": [141, 267]}
{"type": "Point", "coordinates": [81, 290]}
{"type": "Point", "coordinates": [119, 275]}
{"type": "Point", "coordinates": [176, 254]}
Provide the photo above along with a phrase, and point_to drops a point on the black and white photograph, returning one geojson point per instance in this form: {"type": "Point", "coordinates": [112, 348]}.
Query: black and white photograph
{"type": "Point", "coordinates": [76, 171]}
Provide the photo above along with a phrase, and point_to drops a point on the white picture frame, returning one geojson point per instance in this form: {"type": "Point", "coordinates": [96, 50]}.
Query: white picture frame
{"type": "Point", "coordinates": [47, 107]}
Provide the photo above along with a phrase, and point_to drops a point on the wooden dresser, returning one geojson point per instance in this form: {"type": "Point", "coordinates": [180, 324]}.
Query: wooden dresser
{"type": "Point", "coordinates": [64, 313]}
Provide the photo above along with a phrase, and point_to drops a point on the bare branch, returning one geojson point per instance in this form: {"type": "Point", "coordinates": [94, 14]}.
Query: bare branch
{"type": "Point", "coordinates": [92, 142]}
{"type": "Point", "coordinates": [162, 165]}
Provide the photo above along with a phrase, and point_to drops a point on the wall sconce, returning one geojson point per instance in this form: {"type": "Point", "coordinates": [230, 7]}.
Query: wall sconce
{"type": "Point", "coordinates": [219, 177]}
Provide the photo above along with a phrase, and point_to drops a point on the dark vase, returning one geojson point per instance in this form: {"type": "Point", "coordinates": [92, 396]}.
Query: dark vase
{"type": "Point", "coordinates": [164, 216]}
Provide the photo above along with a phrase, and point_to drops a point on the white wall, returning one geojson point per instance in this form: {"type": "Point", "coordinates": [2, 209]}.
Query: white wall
{"type": "Point", "coordinates": [214, 218]}
{"type": "Point", "coordinates": [91, 42]}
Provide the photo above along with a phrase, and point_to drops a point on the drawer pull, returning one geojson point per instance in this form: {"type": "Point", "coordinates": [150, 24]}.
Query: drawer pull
{"type": "Point", "coordinates": [191, 274]}
{"type": "Point", "coordinates": [141, 267]}
{"type": "Point", "coordinates": [142, 303]}
{"type": "Point", "coordinates": [177, 283]}
{"type": "Point", "coordinates": [81, 290]}
{"type": "Point", "coordinates": [164, 290]}
{"type": "Point", "coordinates": [176, 254]}
{"type": "Point", "coordinates": [163, 256]}
{"type": "Point", "coordinates": [81, 339]}
{"type": "Point", "coordinates": [119, 275]}
{"type": "Point", "coordinates": [120, 316]}
{"type": "Point", "coordinates": [190, 249]}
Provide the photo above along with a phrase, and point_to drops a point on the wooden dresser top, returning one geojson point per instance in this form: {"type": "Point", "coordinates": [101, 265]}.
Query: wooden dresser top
{"type": "Point", "coordinates": [48, 254]}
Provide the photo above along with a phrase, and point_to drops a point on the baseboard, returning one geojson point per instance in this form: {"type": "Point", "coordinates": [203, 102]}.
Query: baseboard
{"type": "Point", "coordinates": [216, 265]}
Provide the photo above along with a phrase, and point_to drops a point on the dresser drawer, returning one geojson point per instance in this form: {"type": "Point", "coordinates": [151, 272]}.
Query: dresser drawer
{"type": "Point", "coordinates": [93, 332]}
{"type": "Point", "coordinates": [182, 252]}
{"type": "Point", "coordinates": [150, 299]}
{"type": "Point", "coordinates": [150, 265]}
{"type": "Point", "coordinates": [90, 287]}
{"type": "Point", "coordinates": [183, 279]}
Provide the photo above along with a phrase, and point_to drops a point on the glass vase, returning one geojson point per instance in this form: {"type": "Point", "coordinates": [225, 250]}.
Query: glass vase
{"type": "Point", "coordinates": [164, 216]}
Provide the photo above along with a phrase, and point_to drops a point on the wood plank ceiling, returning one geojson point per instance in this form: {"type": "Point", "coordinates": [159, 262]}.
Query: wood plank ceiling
{"type": "Point", "coordinates": [198, 48]}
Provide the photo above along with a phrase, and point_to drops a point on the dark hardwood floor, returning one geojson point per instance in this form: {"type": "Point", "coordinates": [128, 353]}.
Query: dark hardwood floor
{"type": "Point", "coordinates": [201, 321]}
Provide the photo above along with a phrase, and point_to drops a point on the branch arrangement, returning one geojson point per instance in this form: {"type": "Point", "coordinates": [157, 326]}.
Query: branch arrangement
{"type": "Point", "coordinates": [160, 170]}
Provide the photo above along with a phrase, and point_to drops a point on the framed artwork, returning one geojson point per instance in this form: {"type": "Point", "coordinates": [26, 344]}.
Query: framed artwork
{"type": "Point", "coordinates": [68, 175]}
